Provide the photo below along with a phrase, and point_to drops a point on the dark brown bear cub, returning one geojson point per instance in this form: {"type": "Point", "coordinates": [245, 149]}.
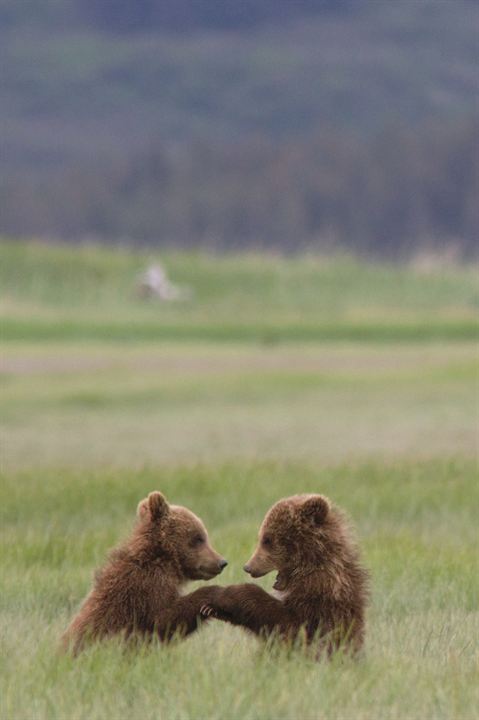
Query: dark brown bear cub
{"type": "Point", "coordinates": [320, 589]}
{"type": "Point", "coordinates": [138, 590]}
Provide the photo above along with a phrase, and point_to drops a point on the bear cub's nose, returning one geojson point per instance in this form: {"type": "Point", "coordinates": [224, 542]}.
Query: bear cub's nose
{"type": "Point", "coordinates": [223, 563]}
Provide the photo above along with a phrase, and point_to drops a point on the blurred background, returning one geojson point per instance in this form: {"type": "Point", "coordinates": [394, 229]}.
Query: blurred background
{"type": "Point", "coordinates": [246, 229]}
{"type": "Point", "coordinates": [317, 124]}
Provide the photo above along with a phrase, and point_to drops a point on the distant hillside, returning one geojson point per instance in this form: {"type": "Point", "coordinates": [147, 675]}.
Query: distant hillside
{"type": "Point", "coordinates": [179, 16]}
{"type": "Point", "coordinates": [73, 84]}
{"type": "Point", "coordinates": [254, 123]}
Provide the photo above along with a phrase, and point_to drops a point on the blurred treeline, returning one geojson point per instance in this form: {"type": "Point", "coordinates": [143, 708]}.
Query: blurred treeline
{"type": "Point", "coordinates": [389, 196]}
{"type": "Point", "coordinates": [179, 15]}
{"type": "Point", "coordinates": [263, 123]}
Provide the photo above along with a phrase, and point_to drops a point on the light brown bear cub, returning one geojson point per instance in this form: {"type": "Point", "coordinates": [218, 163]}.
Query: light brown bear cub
{"type": "Point", "coordinates": [321, 588]}
{"type": "Point", "coordinates": [138, 590]}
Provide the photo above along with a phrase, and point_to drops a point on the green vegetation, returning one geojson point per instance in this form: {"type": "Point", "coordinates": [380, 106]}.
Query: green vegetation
{"type": "Point", "coordinates": [418, 528]}
{"type": "Point", "coordinates": [89, 426]}
{"type": "Point", "coordinates": [88, 293]}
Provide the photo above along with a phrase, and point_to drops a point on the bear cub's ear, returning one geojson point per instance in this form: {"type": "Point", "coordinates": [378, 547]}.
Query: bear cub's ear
{"type": "Point", "coordinates": [315, 509]}
{"type": "Point", "coordinates": [155, 506]}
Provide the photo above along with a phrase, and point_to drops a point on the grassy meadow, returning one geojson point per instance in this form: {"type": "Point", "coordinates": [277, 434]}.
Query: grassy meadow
{"type": "Point", "coordinates": [277, 376]}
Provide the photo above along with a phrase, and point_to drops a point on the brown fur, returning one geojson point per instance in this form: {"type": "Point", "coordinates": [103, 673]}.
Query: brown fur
{"type": "Point", "coordinates": [321, 588]}
{"type": "Point", "coordinates": [138, 590]}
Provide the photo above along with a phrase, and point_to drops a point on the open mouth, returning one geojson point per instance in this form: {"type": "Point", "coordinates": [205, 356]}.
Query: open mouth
{"type": "Point", "coordinates": [279, 583]}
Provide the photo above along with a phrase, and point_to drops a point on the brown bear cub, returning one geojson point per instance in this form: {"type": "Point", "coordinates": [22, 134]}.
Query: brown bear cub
{"type": "Point", "coordinates": [320, 589]}
{"type": "Point", "coordinates": [138, 591]}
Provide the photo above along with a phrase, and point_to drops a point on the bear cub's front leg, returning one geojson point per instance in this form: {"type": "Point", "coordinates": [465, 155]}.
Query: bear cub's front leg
{"type": "Point", "coordinates": [247, 605]}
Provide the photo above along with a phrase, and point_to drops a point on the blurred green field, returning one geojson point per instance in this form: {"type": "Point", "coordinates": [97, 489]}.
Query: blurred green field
{"type": "Point", "coordinates": [72, 405]}
{"type": "Point", "coordinates": [387, 426]}
{"type": "Point", "coordinates": [88, 293]}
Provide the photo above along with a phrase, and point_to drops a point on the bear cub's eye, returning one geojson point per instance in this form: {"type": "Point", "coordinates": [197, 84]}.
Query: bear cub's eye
{"type": "Point", "coordinates": [197, 540]}
{"type": "Point", "coordinates": [266, 541]}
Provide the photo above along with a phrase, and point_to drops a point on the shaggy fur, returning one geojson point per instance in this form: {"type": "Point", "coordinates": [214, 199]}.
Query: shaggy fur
{"type": "Point", "coordinates": [321, 588]}
{"type": "Point", "coordinates": [138, 590]}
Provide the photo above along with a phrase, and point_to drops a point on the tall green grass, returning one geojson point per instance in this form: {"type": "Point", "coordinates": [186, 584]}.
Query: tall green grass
{"type": "Point", "coordinates": [418, 530]}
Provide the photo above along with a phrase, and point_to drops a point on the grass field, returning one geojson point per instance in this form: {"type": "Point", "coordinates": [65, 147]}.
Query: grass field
{"type": "Point", "coordinates": [52, 293]}
{"type": "Point", "coordinates": [384, 422]}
